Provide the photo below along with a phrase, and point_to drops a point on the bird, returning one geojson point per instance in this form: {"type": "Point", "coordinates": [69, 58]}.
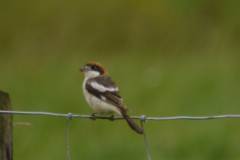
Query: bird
{"type": "Point", "coordinates": [102, 94]}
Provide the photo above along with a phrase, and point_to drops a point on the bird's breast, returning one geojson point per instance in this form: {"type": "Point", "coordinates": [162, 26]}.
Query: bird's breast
{"type": "Point", "coordinates": [100, 106]}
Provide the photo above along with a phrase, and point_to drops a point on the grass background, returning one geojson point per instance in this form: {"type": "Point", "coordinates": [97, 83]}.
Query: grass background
{"type": "Point", "coordinates": [168, 58]}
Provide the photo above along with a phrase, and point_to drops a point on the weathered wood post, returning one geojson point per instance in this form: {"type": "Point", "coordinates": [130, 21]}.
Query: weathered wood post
{"type": "Point", "coordinates": [6, 152]}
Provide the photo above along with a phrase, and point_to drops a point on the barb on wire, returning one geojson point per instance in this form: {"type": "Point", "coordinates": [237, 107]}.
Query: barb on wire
{"type": "Point", "coordinates": [117, 118]}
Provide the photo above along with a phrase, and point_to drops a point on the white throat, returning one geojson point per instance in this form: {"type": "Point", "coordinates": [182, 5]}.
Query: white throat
{"type": "Point", "coordinates": [91, 74]}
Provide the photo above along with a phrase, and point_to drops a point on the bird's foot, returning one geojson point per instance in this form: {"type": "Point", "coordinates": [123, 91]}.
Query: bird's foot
{"type": "Point", "coordinates": [93, 117]}
{"type": "Point", "coordinates": [111, 118]}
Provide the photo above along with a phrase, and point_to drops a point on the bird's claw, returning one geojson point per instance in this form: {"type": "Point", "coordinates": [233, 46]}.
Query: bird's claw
{"type": "Point", "coordinates": [93, 117]}
{"type": "Point", "coordinates": [111, 118]}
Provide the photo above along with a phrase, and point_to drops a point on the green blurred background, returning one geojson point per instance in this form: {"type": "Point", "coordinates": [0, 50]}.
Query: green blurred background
{"type": "Point", "coordinates": [169, 58]}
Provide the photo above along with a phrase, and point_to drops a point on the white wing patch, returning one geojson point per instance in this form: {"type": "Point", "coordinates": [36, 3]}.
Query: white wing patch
{"type": "Point", "coordinates": [103, 98]}
{"type": "Point", "coordinates": [101, 88]}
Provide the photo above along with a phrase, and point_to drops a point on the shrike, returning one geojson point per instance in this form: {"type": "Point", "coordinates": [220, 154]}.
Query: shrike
{"type": "Point", "coordinates": [102, 94]}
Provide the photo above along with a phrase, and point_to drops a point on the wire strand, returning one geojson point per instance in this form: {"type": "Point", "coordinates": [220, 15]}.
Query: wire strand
{"type": "Point", "coordinates": [118, 118]}
{"type": "Point", "coordinates": [143, 119]}
{"type": "Point", "coordinates": [67, 146]}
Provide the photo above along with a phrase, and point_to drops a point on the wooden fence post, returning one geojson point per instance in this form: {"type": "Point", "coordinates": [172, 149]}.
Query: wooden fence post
{"type": "Point", "coordinates": [6, 151]}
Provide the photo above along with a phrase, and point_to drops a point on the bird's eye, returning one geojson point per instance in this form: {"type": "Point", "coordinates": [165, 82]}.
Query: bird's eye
{"type": "Point", "coordinates": [94, 67]}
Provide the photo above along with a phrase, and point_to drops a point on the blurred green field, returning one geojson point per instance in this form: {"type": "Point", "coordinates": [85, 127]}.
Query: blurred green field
{"type": "Point", "coordinates": [168, 58]}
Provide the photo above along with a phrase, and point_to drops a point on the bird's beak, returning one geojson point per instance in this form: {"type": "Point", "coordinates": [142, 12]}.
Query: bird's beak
{"type": "Point", "coordinates": [82, 69]}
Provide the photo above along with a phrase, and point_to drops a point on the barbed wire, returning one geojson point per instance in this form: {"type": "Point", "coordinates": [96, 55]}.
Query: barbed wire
{"type": "Point", "coordinates": [142, 118]}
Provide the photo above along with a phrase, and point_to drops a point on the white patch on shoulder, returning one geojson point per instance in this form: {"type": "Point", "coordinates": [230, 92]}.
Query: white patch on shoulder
{"type": "Point", "coordinates": [103, 98]}
{"type": "Point", "coordinates": [101, 88]}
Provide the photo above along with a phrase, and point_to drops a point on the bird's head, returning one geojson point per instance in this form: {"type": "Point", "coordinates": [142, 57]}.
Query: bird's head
{"type": "Point", "coordinates": [93, 69]}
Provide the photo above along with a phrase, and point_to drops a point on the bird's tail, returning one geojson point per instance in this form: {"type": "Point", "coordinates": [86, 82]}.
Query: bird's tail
{"type": "Point", "coordinates": [131, 123]}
